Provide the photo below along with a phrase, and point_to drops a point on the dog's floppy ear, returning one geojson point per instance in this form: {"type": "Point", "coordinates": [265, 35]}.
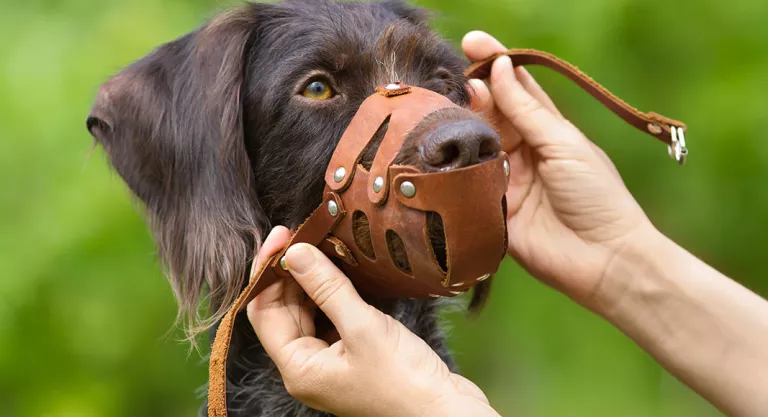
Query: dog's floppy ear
{"type": "Point", "coordinates": [172, 126]}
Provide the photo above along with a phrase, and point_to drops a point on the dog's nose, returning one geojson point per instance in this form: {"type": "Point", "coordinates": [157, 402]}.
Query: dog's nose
{"type": "Point", "coordinates": [460, 144]}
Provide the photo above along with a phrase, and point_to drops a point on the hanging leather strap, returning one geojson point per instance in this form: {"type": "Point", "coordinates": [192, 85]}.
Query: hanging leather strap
{"type": "Point", "coordinates": [661, 127]}
{"type": "Point", "coordinates": [313, 231]}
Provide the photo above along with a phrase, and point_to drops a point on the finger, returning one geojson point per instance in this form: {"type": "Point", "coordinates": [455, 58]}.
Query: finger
{"type": "Point", "coordinates": [482, 102]}
{"type": "Point", "coordinates": [481, 99]}
{"type": "Point", "coordinates": [272, 320]}
{"type": "Point", "coordinates": [275, 241]}
{"type": "Point", "coordinates": [534, 89]}
{"type": "Point", "coordinates": [329, 288]}
{"type": "Point", "coordinates": [478, 45]}
{"type": "Point", "coordinates": [275, 324]}
{"type": "Point", "coordinates": [538, 126]}
{"type": "Point", "coordinates": [521, 177]}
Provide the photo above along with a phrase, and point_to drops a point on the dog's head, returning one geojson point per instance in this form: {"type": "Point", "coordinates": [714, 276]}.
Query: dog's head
{"type": "Point", "coordinates": [228, 131]}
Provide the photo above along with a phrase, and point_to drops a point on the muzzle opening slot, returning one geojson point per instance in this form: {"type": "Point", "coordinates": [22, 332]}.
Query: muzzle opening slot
{"type": "Point", "coordinates": [397, 251]}
{"type": "Point", "coordinates": [361, 229]}
{"type": "Point", "coordinates": [506, 234]}
{"type": "Point", "coordinates": [366, 159]}
{"type": "Point", "coordinates": [438, 246]}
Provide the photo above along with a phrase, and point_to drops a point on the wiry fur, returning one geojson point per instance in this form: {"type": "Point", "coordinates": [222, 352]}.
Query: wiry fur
{"type": "Point", "coordinates": [209, 134]}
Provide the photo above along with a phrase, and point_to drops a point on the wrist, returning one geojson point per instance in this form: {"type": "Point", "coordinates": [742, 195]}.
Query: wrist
{"type": "Point", "coordinates": [634, 271]}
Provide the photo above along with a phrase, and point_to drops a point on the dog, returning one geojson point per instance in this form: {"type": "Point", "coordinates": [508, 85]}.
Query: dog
{"type": "Point", "coordinates": [227, 131]}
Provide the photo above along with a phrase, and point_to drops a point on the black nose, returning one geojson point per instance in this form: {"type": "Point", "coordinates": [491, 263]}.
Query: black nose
{"type": "Point", "coordinates": [460, 144]}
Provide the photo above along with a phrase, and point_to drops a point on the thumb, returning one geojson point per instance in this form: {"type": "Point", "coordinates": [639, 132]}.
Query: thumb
{"type": "Point", "coordinates": [329, 288]}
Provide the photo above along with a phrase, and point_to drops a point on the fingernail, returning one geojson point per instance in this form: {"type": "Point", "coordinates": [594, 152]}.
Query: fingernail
{"type": "Point", "coordinates": [476, 84]}
{"type": "Point", "coordinates": [300, 258]}
{"type": "Point", "coordinates": [271, 232]}
{"type": "Point", "coordinates": [502, 67]}
{"type": "Point", "coordinates": [504, 60]}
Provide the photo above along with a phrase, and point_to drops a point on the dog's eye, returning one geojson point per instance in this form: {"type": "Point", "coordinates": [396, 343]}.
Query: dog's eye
{"type": "Point", "coordinates": [318, 90]}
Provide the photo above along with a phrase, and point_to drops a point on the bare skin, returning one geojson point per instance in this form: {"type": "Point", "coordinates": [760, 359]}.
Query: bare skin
{"type": "Point", "coordinates": [574, 226]}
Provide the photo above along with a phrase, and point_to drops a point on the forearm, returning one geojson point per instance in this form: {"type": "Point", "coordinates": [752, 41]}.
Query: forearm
{"type": "Point", "coordinates": [707, 330]}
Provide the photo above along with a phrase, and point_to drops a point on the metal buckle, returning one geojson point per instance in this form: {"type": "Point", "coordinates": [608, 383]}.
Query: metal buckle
{"type": "Point", "coordinates": [677, 150]}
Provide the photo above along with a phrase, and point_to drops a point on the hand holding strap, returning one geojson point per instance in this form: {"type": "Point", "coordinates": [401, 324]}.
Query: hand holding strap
{"type": "Point", "coordinates": [669, 131]}
{"type": "Point", "coordinates": [313, 231]}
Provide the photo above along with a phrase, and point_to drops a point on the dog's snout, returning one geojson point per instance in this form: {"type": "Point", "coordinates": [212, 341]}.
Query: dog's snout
{"type": "Point", "coordinates": [460, 144]}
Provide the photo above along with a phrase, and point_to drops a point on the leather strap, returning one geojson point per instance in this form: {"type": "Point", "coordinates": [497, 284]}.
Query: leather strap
{"type": "Point", "coordinates": [313, 231]}
{"type": "Point", "coordinates": [652, 123]}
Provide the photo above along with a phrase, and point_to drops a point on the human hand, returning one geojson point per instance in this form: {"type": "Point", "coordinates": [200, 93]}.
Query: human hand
{"type": "Point", "coordinates": [569, 213]}
{"type": "Point", "coordinates": [377, 368]}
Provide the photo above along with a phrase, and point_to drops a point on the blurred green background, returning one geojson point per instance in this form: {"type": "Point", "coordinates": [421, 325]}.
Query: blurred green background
{"type": "Point", "coordinates": [85, 314]}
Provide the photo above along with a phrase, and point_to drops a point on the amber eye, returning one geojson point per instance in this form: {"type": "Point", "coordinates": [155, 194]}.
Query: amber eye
{"type": "Point", "coordinates": [318, 90]}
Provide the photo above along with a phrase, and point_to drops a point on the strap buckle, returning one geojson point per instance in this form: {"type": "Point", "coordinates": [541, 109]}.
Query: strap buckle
{"type": "Point", "coordinates": [677, 150]}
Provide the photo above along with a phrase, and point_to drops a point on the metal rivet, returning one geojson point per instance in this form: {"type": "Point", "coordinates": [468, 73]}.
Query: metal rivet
{"type": "Point", "coordinates": [283, 264]}
{"type": "Point", "coordinates": [333, 208]}
{"type": "Point", "coordinates": [378, 184]}
{"type": "Point", "coordinates": [484, 277]}
{"type": "Point", "coordinates": [340, 251]}
{"type": "Point", "coordinates": [339, 175]}
{"type": "Point", "coordinates": [408, 189]}
{"type": "Point", "coordinates": [506, 167]}
{"type": "Point", "coordinates": [654, 128]}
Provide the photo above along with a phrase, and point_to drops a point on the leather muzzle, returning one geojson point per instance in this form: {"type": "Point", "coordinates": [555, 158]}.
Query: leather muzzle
{"type": "Point", "coordinates": [395, 201]}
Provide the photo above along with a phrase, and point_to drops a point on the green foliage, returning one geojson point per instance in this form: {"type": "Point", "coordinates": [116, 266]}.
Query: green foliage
{"type": "Point", "coordinates": [85, 315]}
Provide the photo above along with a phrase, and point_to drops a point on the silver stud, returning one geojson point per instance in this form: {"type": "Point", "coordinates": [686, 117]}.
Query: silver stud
{"type": "Point", "coordinates": [283, 264]}
{"type": "Point", "coordinates": [378, 184]}
{"type": "Point", "coordinates": [340, 251]}
{"type": "Point", "coordinates": [506, 167]}
{"type": "Point", "coordinates": [484, 277]}
{"type": "Point", "coordinates": [654, 128]}
{"type": "Point", "coordinates": [339, 175]}
{"type": "Point", "coordinates": [408, 189]}
{"type": "Point", "coordinates": [333, 208]}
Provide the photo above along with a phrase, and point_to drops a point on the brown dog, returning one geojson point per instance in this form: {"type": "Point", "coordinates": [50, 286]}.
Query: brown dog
{"type": "Point", "coordinates": [227, 131]}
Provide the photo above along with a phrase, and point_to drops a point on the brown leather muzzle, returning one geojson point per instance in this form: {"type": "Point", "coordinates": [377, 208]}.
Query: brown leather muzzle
{"type": "Point", "coordinates": [398, 200]}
